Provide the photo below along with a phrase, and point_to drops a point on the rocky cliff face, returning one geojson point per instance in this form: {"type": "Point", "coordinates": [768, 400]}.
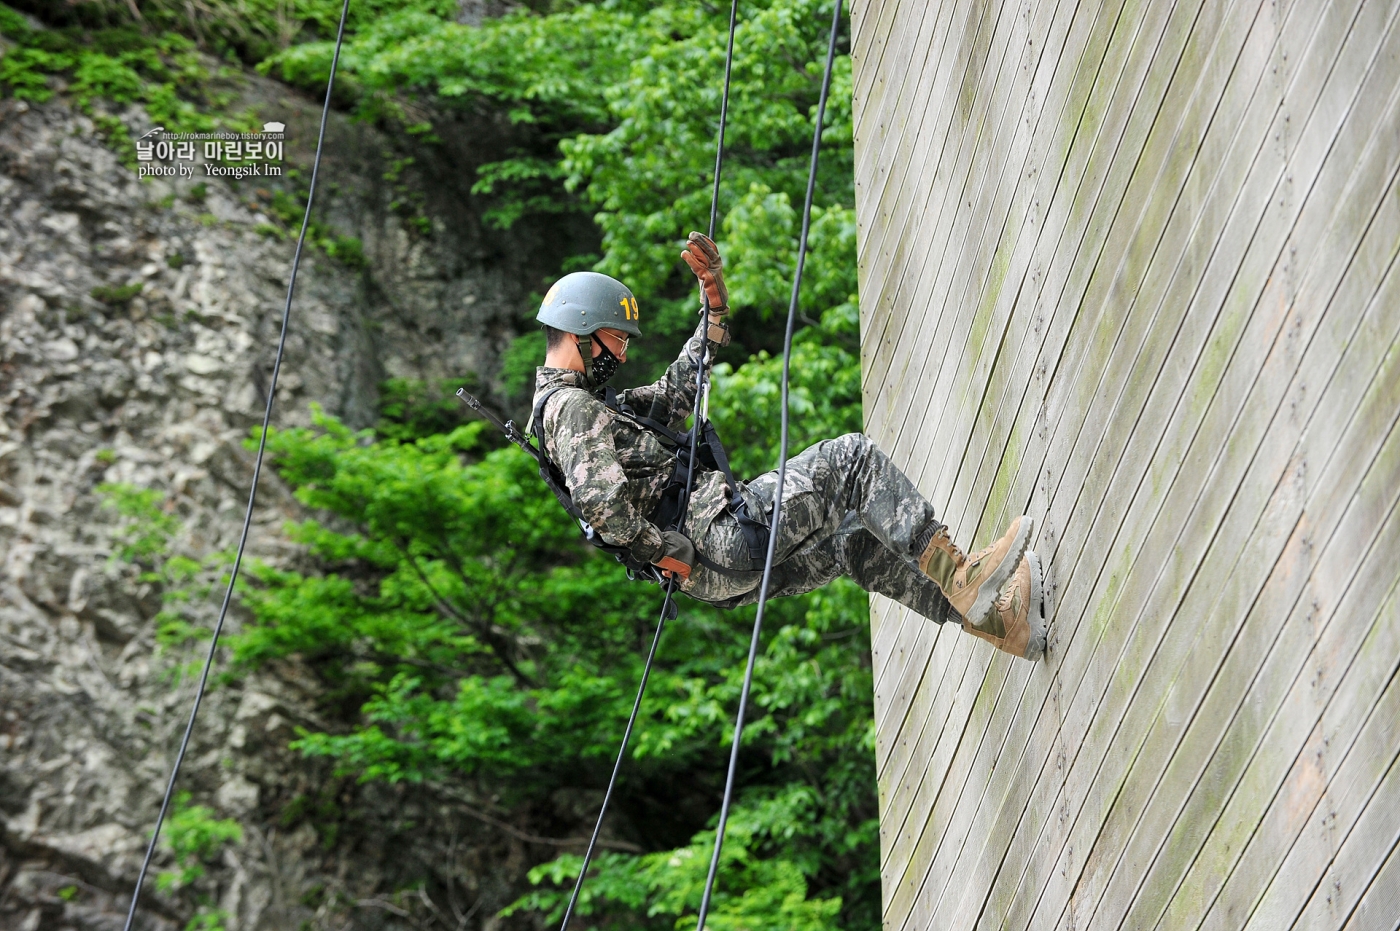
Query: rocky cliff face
{"type": "Point", "coordinates": [157, 390]}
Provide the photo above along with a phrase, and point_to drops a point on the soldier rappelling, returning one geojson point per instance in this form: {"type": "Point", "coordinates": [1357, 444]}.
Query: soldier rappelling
{"type": "Point", "coordinates": [847, 509]}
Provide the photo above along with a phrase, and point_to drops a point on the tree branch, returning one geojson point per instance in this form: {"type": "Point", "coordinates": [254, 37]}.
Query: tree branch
{"type": "Point", "coordinates": [484, 631]}
{"type": "Point", "coordinates": [465, 807]}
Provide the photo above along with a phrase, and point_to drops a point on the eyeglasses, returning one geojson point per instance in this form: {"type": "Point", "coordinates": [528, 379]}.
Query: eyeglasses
{"type": "Point", "coordinates": [625, 340]}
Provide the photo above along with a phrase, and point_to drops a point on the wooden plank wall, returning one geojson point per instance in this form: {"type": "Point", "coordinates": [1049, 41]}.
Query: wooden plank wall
{"type": "Point", "coordinates": [1129, 267]}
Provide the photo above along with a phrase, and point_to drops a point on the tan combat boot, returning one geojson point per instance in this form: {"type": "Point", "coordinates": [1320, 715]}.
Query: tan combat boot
{"type": "Point", "coordinates": [971, 583]}
{"type": "Point", "coordinates": [1017, 623]}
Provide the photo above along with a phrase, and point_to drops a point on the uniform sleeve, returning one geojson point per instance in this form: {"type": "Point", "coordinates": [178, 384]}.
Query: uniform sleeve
{"type": "Point", "coordinates": [579, 439]}
{"type": "Point", "coordinates": [671, 399]}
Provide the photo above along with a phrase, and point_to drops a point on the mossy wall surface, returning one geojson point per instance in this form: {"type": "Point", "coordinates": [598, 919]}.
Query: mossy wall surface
{"type": "Point", "coordinates": [1129, 268]}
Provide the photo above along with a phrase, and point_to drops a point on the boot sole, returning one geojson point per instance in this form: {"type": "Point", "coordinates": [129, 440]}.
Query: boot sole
{"type": "Point", "coordinates": [990, 587]}
{"type": "Point", "coordinates": [1035, 648]}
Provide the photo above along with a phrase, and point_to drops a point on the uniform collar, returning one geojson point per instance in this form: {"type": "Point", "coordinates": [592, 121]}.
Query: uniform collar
{"type": "Point", "coordinates": [546, 377]}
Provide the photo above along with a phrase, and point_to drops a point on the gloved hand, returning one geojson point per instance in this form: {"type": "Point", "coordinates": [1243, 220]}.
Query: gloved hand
{"type": "Point", "coordinates": [678, 555]}
{"type": "Point", "coordinates": [703, 258]}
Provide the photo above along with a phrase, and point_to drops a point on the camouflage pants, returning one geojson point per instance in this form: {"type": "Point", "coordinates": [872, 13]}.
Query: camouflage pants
{"type": "Point", "coordinates": [847, 510]}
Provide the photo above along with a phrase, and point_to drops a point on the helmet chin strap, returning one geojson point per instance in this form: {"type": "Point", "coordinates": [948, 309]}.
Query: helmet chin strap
{"type": "Point", "coordinates": [585, 353]}
{"type": "Point", "coordinates": [596, 372]}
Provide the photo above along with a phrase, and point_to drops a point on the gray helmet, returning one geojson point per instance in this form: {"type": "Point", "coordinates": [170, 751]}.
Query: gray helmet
{"type": "Point", "coordinates": [584, 302]}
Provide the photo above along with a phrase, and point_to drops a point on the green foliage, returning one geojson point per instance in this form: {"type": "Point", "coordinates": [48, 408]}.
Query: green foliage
{"type": "Point", "coordinates": [252, 30]}
{"type": "Point", "coordinates": [484, 646]}
{"type": "Point", "coordinates": [122, 65]}
{"type": "Point", "coordinates": [784, 838]}
{"type": "Point", "coordinates": [208, 919]}
{"type": "Point", "coordinates": [409, 201]}
{"type": "Point", "coordinates": [528, 185]}
{"type": "Point", "coordinates": [824, 382]}
{"type": "Point", "coordinates": [289, 208]}
{"type": "Point", "coordinates": [519, 361]}
{"type": "Point", "coordinates": [622, 99]}
{"type": "Point", "coordinates": [145, 538]}
{"type": "Point", "coordinates": [348, 250]}
{"type": "Point", "coordinates": [410, 409]}
{"type": "Point", "coordinates": [647, 175]}
{"type": "Point", "coordinates": [194, 837]}
{"type": "Point", "coordinates": [147, 526]}
{"type": "Point", "coordinates": [12, 23]}
{"type": "Point", "coordinates": [25, 72]}
{"type": "Point", "coordinates": [116, 295]}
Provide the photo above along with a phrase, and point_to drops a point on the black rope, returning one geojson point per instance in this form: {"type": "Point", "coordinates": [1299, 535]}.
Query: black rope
{"type": "Point", "coordinates": [782, 474]}
{"type": "Point", "coordinates": [617, 765]}
{"type": "Point", "coordinates": [723, 116]}
{"type": "Point", "coordinates": [697, 432]}
{"type": "Point", "coordinates": [257, 471]}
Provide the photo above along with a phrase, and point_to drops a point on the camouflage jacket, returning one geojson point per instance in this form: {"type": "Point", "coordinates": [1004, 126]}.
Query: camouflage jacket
{"type": "Point", "coordinates": [616, 469]}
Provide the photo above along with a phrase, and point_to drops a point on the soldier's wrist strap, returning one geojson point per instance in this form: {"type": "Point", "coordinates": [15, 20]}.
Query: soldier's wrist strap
{"type": "Point", "coordinates": [717, 333]}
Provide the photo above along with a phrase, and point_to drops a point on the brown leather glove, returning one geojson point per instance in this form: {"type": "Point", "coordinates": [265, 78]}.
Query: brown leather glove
{"type": "Point", "coordinates": [703, 258]}
{"type": "Point", "coordinates": [678, 555]}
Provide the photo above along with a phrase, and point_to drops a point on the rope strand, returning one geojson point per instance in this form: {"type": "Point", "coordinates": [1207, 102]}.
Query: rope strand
{"type": "Point", "coordinates": [257, 472]}
{"type": "Point", "coordinates": [621, 752]}
{"type": "Point", "coordinates": [782, 475]}
{"type": "Point", "coordinates": [723, 115]}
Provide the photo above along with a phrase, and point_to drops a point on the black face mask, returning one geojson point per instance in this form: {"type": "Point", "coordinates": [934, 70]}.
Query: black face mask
{"type": "Point", "coordinates": [597, 370]}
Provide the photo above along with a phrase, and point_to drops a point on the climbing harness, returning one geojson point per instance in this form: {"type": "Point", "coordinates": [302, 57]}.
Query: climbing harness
{"type": "Point", "coordinates": [782, 474]}
{"type": "Point", "coordinates": [257, 471]}
{"type": "Point", "coordinates": [669, 513]}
